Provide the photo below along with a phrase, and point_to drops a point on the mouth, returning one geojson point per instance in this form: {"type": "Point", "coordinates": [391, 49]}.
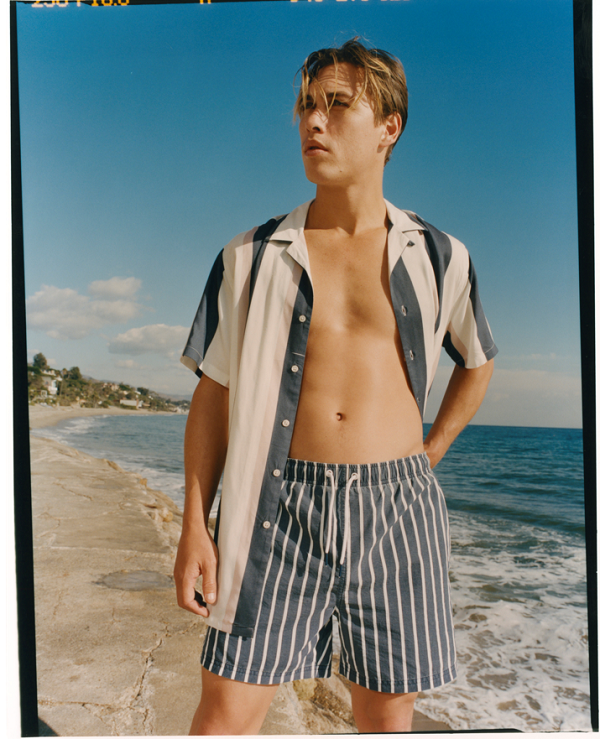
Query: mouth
{"type": "Point", "coordinates": [312, 147]}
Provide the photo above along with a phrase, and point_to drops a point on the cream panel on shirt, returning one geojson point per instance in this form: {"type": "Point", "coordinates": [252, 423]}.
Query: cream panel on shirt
{"type": "Point", "coordinates": [265, 335]}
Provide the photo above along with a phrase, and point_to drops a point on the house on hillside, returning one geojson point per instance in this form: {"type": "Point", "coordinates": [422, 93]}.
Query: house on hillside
{"type": "Point", "coordinates": [132, 403]}
{"type": "Point", "coordinates": [50, 384]}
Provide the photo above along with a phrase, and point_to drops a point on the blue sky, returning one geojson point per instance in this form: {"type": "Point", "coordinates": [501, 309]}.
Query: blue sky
{"type": "Point", "coordinates": [151, 135]}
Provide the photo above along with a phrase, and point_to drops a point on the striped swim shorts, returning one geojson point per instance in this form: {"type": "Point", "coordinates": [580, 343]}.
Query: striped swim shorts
{"type": "Point", "coordinates": [368, 544]}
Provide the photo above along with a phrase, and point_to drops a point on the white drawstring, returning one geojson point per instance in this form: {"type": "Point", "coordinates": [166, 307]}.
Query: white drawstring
{"type": "Point", "coordinates": [329, 475]}
{"type": "Point", "coordinates": [353, 477]}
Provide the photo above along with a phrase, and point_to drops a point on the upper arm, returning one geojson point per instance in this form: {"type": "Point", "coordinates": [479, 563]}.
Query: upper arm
{"type": "Point", "coordinates": [207, 428]}
{"type": "Point", "coordinates": [207, 350]}
{"type": "Point", "coordinates": [468, 339]}
{"type": "Point", "coordinates": [210, 403]}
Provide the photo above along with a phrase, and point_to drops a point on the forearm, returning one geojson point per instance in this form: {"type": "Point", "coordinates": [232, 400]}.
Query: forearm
{"type": "Point", "coordinates": [463, 396]}
{"type": "Point", "coordinates": [205, 446]}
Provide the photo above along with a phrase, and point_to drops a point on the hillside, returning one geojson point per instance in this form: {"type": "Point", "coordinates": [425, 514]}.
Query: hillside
{"type": "Point", "coordinates": [69, 387]}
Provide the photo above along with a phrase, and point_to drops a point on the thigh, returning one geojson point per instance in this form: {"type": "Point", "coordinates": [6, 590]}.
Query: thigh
{"type": "Point", "coordinates": [231, 707]}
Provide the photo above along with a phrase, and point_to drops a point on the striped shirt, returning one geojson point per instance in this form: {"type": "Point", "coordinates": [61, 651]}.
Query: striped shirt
{"type": "Point", "coordinates": [250, 335]}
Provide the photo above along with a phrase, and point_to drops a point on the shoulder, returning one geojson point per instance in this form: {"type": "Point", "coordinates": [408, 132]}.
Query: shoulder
{"type": "Point", "coordinates": [440, 245]}
{"type": "Point", "coordinates": [251, 240]}
{"type": "Point", "coordinates": [248, 247]}
{"type": "Point", "coordinates": [247, 239]}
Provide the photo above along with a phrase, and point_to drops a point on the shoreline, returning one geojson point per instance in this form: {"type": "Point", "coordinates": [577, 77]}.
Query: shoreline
{"type": "Point", "coordinates": [110, 657]}
{"type": "Point", "coordinates": [43, 416]}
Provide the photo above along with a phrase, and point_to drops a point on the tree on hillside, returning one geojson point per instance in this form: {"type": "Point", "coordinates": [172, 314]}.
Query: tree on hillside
{"type": "Point", "coordinates": [75, 374]}
{"type": "Point", "coordinates": [40, 362]}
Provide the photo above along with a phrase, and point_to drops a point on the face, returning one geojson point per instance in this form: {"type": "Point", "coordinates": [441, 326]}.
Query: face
{"type": "Point", "coordinates": [342, 145]}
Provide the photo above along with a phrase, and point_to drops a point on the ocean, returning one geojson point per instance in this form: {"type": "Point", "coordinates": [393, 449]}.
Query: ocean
{"type": "Point", "coordinates": [516, 509]}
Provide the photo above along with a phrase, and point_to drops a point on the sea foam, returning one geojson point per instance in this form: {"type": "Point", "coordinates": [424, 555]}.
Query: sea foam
{"type": "Point", "coordinates": [521, 631]}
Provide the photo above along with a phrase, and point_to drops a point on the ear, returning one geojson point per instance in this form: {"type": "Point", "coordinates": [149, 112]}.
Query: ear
{"type": "Point", "coordinates": [392, 130]}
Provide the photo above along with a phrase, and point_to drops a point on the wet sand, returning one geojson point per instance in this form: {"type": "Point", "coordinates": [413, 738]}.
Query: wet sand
{"type": "Point", "coordinates": [115, 655]}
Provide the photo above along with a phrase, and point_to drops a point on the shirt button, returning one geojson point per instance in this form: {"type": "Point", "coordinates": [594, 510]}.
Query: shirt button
{"type": "Point", "coordinates": [266, 524]}
{"type": "Point", "coordinates": [302, 319]}
{"type": "Point", "coordinates": [285, 423]}
{"type": "Point", "coordinates": [276, 473]}
{"type": "Point", "coordinates": [294, 368]}
{"type": "Point", "coordinates": [411, 355]}
{"type": "Point", "coordinates": [403, 309]}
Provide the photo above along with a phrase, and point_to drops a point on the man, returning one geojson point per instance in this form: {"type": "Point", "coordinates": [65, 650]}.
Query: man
{"type": "Point", "coordinates": [317, 339]}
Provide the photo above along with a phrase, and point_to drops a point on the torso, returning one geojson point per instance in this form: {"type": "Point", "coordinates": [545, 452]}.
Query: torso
{"type": "Point", "coordinates": [356, 405]}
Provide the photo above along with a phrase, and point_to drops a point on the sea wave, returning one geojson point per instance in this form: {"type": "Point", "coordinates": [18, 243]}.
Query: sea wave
{"type": "Point", "coordinates": [521, 631]}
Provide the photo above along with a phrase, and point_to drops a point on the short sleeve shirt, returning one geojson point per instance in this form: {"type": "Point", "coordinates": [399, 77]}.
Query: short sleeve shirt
{"type": "Point", "coordinates": [250, 335]}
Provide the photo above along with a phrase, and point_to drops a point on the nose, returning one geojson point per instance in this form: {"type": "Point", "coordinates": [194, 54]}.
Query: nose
{"type": "Point", "coordinates": [315, 119]}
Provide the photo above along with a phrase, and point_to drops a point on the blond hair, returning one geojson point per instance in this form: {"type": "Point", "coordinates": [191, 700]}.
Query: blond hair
{"type": "Point", "coordinates": [383, 80]}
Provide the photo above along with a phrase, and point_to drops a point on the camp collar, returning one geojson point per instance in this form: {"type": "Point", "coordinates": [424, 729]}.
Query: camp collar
{"type": "Point", "coordinates": [291, 231]}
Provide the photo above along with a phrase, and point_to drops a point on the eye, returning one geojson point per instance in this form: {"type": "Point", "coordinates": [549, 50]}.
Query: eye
{"type": "Point", "coordinates": [308, 105]}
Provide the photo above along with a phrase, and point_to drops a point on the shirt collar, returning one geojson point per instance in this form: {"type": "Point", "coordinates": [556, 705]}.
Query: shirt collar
{"type": "Point", "coordinates": [402, 222]}
{"type": "Point", "coordinates": [291, 231]}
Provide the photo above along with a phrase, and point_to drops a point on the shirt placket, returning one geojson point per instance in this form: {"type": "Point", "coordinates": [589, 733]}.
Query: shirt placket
{"type": "Point", "coordinates": [281, 438]}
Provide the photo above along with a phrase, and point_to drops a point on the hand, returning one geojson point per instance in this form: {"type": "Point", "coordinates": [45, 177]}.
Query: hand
{"type": "Point", "coordinates": [197, 555]}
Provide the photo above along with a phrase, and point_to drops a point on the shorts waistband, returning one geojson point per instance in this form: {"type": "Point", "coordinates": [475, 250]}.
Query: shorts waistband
{"type": "Point", "coordinates": [375, 473]}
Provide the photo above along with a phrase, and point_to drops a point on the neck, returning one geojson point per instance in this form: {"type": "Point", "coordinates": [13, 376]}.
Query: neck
{"type": "Point", "coordinates": [349, 209]}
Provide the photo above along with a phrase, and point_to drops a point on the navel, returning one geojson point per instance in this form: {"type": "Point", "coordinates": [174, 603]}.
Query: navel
{"type": "Point", "coordinates": [339, 416]}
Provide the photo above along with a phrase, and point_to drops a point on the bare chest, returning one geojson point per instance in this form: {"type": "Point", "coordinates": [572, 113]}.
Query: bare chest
{"type": "Point", "coordinates": [350, 282]}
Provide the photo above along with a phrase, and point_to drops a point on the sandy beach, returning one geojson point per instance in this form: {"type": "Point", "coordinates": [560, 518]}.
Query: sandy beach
{"type": "Point", "coordinates": [40, 415]}
{"type": "Point", "coordinates": [115, 655]}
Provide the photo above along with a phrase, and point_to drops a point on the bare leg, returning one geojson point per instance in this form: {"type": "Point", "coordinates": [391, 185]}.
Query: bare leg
{"type": "Point", "coordinates": [382, 712]}
{"type": "Point", "coordinates": [230, 707]}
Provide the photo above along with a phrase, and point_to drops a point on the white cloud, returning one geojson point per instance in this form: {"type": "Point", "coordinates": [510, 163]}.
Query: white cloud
{"type": "Point", "coordinates": [63, 313]}
{"type": "Point", "coordinates": [534, 398]}
{"type": "Point", "coordinates": [116, 288]}
{"type": "Point", "coordinates": [127, 364]}
{"type": "Point", "coordinates": [168, 341]}
{"type": "Point", "coordinates": [542, 357]}
{"type": "Point", "coordinates": [522, 397]}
